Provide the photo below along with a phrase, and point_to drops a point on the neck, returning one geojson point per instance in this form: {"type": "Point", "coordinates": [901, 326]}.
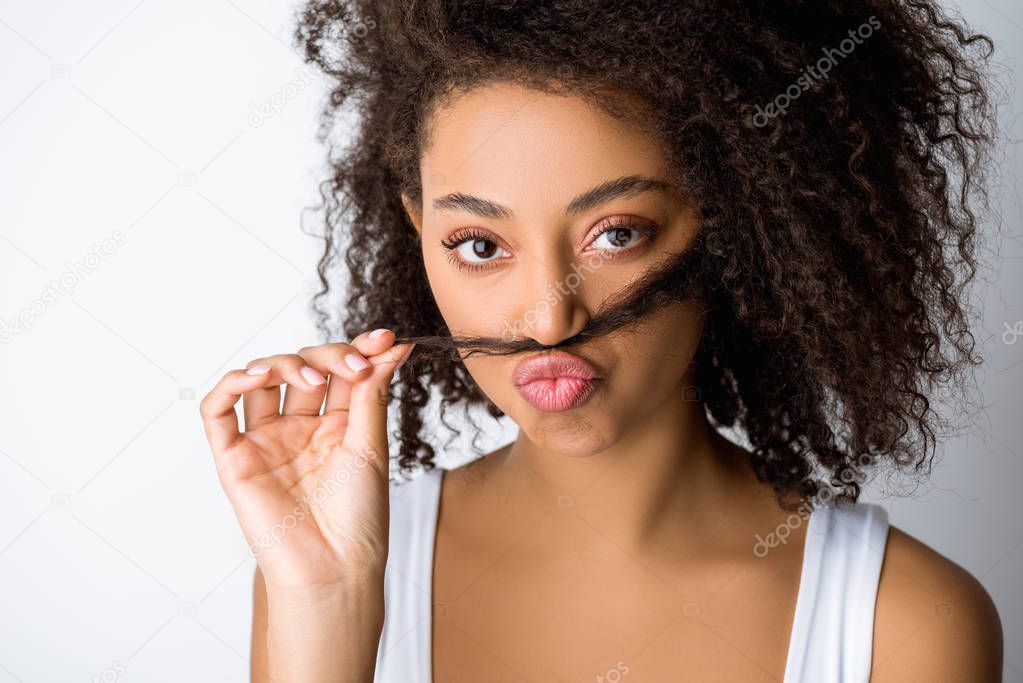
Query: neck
{"type": "Point", "coordinates": [672, 476]}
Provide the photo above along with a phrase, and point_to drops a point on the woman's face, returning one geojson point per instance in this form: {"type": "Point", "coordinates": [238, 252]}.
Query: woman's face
{"type": "Point", "coordinates": [505, 180]}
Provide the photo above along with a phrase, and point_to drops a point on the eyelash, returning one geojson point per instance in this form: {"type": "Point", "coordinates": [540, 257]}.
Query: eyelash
{"type": "Point", "coordinates": [473, 234]}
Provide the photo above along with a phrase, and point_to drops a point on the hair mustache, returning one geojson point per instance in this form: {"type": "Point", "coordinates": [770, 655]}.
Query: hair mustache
{"type": "Point", "coordinates": [679, 278]}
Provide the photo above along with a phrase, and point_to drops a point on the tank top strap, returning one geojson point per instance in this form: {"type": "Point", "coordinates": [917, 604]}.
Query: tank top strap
{"type": "Point", "coordinates": [404, 653]}
{"type": "Point", "coordinates": [833, 627]}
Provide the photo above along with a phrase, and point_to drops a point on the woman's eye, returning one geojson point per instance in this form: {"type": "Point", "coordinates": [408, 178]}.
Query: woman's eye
{"type": "Point", "coordinates": [477, 250]}
{"type": "Point", "coordinates": [621, 237]}
{"type": "Point", "coordinates": [472, 250]}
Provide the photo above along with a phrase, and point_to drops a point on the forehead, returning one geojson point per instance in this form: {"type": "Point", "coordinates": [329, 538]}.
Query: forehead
{"type": "Point", "coordinates": [511, 141]}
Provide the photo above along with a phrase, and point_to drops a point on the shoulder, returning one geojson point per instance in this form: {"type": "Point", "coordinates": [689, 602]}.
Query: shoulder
{"type": "Point", "coordinates": [933, 619]}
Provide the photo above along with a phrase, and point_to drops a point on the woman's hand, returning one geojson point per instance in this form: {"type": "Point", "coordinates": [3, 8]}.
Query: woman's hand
{"type": "Point", "coordinates": [309, 489]}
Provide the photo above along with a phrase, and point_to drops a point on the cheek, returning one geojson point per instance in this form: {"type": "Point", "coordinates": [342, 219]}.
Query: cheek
{"type": "Point", "coordinates": [661, 350]}
{"type": "Point", "coordinates": [467, 314]}
{"type": "Point", "coordinates": [448, 292]}
{"type": "Point", "coordinates": [466, 310]}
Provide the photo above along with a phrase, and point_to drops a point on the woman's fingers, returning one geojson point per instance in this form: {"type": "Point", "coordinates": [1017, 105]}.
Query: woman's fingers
{"type": "Point", "coordinates": [339, 396]}
{"type": "Point", "coordinates": [305, 398]}
{"type": "Point", "coordinates": [346, 363]}
{"type": "Point", "coordinates": [219, 419]}
{"type": "Point", "coordinates": [310, 374]}
{"type": "Point", "coordinates": [367, 414]}
{"type": "Point", "coordinates": [262, 407]}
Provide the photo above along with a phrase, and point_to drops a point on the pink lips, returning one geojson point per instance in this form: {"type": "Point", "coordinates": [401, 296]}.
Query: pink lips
{"type": "Point", "coordinates": [555, 382]}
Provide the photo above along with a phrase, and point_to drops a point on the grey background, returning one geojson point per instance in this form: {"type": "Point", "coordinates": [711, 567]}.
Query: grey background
{"type": "Point", "coordinates": [134, 167]}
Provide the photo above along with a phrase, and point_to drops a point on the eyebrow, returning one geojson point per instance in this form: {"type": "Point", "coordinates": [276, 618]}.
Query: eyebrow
{"type": "Point", "coordinates": [625, 186]}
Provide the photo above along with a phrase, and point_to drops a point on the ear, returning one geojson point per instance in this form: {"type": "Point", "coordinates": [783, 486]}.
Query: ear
{"type": "Point", "coordinates": [413, 213]}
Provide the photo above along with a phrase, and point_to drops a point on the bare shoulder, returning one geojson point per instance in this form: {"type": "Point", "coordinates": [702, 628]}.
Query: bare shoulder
{"type": "Point", "coordinates": [933, 619]}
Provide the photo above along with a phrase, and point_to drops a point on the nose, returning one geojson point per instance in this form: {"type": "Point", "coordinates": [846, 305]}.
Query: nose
{"type": "Point", "coordinates": [554, 309]}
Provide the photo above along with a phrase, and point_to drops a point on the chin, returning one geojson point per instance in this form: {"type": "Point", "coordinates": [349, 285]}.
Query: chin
{"type": "Point", "coordinates": [572, 436]}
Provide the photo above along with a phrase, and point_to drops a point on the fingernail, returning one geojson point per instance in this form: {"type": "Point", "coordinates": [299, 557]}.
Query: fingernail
{"type": "Point", "coordinates": [356, 362]}
{"type": "Point", "coordinates": [312, 376]}
{"type": "Point", "coordinates": [402, 361]}
{"type": "Point", "coordinates": [257, 369]}
{"type": "Point", "coordinates": [378, 332]}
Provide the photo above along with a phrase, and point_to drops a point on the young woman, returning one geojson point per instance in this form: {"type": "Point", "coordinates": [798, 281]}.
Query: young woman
{"type": "Point", "coordinates": [624, 226]}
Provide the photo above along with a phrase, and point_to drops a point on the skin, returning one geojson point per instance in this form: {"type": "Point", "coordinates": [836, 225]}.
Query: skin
{"type": "Point", "coordinates": [619, 532]}
{"type": "Point", "coordinates": [310, 491]}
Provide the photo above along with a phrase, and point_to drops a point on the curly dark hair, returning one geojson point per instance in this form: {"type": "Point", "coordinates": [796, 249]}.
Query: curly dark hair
{"type": "Point", "coordinates": [838, 208]}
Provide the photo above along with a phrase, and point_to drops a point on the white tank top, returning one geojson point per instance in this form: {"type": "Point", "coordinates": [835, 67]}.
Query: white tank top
{"type": "Point", "coordinates": [833, 624]}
